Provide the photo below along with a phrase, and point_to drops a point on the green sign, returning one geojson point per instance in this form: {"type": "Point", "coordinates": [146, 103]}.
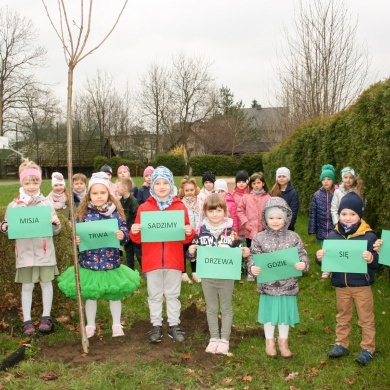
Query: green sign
{"type": "Point", "coordinates": [384, 253]}
{"type": "Point", "coordinates": [162, 226]}
{"type": "Point", "coordinates": [277, 265]}
{"type": "Point", "coordinates": [344, 256]}
{"type": "Point", "coordinates": [29, 222]}
{"type": "Point", "coordinates": [98, 234]}
{"type": "Point", "coordinates": [218, 262]}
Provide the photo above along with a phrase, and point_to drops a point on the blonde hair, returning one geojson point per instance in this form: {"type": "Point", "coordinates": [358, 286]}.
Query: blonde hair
{"type": "Point", "coordinates": [188, 180]}
{"type": "Point", "coordinates": [28, 164]}
{"type": "Point", "coordinates": [213, 201]}
{"type": "Point", "coordinates": [125, 182]}
{"type": "Point", "coordinates": [82, 209]}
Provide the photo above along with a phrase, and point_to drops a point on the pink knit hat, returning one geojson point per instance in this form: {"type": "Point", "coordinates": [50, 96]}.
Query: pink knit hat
{"type": "Point", "coordinates": [123, 167]}
{"type": "Point", "coordinates": [148, 170]}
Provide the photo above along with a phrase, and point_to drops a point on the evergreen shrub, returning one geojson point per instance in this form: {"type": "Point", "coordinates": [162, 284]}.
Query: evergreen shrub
{"type": "Point", "coordinates": [219, 164]}
{"type": "Point", "coordinates": [174, 162]}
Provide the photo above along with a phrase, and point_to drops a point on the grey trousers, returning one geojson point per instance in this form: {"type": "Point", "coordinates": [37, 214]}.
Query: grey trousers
{"type": "Point", "coordinates": [212, 290]}
{"type": "Point", "coordinates": [164, 282]}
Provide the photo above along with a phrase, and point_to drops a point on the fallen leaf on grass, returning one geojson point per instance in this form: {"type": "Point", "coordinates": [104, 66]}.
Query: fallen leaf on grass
{"type": "Point", "coordinates": [71, 327]}
{"type": "Point", "coordinates": [84, 355]}
{"type": "Point", "coordinates": [186, 356]}
{"type": "Point", "coordinates": [227, 380]}
{"type": "Point", "coordinates": [191, 372]}
{"type": "Point", "coordinates": [294, 388]}
{"type": "Point", "coordinates": [291, 376]}
{"type": "Point", "coordinates": [314, 371]}
{"type": "Point", "coordinates": [327, 330]}
{"type": "Point", "coordinates": [24, 341]}
{"type": "Point", "coordinates": [247, 378]}
{"type": "Point", "coordinates": [63, 319]}
{"type": "Point", "coordinates": [350, 381]}
{"type": "Point", "coordinates": [323, 362]}
{"type": "Point", "coordinates": [49, 376]}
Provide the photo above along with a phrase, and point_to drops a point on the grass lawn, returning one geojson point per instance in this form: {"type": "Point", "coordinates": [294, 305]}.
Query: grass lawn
{"type": "Point", "coordinates": [247, 368]}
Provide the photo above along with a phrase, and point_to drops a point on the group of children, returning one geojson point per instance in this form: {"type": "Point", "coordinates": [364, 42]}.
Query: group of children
{"type": "Point", "coordinates": [250, 218]}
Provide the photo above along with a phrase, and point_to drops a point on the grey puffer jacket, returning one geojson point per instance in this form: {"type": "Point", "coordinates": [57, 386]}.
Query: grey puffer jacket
{"type": "Point", "coordinates": [273, 240]}
{"type": "Point", "coordinates": [39, 251]}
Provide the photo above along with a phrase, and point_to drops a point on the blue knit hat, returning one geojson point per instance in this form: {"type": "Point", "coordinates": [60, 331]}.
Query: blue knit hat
{"type": "Point", "coordinates": [328, 171]}
{"type": "Point", "coordinates": [346, 170]}
{"type": "Point", "coordinates": [162, 172]}
{"type": "Point", "coordinates": [352, 201]}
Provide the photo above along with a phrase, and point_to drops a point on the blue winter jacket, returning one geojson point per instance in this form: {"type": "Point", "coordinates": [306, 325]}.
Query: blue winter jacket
{"type": "Point", "coordinates": [320, 218]}
{"type": "Point", "coordinates": [290, 195]}
{"type": "Point", "coordinates": [344, 279]}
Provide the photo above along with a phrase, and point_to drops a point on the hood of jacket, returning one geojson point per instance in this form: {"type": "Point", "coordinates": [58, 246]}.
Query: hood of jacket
{"type": "Point", "coordinates": [277, 201]}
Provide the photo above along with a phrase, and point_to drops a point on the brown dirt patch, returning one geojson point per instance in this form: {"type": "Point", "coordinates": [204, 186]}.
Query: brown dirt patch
{"type": "Point", "coordinates": [135, 345]}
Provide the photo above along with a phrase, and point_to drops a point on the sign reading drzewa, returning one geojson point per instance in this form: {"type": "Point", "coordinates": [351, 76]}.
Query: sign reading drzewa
{"type": "Point", "coordinates": [344, 256]}
{"type": "Point", "coordinates": [98, 234]}
{"type": "Point", "coordinates": [218, 262]}
{"type": "Point", "coordinates": [277, 265]}
{"type": "Point", "coordinates": [384, 254]}
{"type": "Point", "coordinates": [161, 226]}
{"type": "Point", "coordinates": [29, 222]}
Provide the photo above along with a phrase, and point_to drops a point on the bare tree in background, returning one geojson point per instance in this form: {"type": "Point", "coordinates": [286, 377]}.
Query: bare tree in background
{"type": "Point", "coordinates": [193, 95]}
{"type": "Point", "coordinates": [74, 38]}
{"type": "Point", "coordinates": [323, 69]}
{"type": "Point", "coordinates": [154, 99]}
{"type": "Point", "coordinates": [18, 57]}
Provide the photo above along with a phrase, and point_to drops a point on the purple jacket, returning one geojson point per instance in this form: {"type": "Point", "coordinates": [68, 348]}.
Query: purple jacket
{"type": "Point", "coordinates": [320, 218]}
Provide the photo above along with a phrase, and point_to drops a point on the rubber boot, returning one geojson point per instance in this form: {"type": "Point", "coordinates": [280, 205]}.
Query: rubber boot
{"type": "Point", "coordinates": [270, 349]}
{"type": "Point", "coordinates": [283, 348]}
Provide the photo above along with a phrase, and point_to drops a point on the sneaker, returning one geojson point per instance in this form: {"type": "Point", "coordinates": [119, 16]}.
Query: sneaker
{"type": "Point", "coordinates": [195, 278]}
{"type": "Point", "coordinates": [176, 333]}
{"type": "Point", "coordinates": [117, 330]}
{"type": "Point", "coordinates": [325, 275]}
{"type": "Point", "coordinates": [213, 345]}
{"type": "Point", "coordinates": [28, 328]}
{"type": "Point", "coordinates": [338, 351]}
{"type": "Point", "coordinates": [155, 335]}
{"type": "Point", "coordinates": [90, 330]}
{"type": "Point", "coordinates": [46, 325]}
{"type": "Point", "coordinates": [365, 357]}
{"type": "Point", "coordinates": [185, 278]}
{"type": "Point", "coordinates": [223, 347]}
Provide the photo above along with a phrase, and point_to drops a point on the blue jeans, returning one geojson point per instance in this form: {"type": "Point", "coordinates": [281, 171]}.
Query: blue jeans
{"type": "Point", "coordinates": [132, 248]}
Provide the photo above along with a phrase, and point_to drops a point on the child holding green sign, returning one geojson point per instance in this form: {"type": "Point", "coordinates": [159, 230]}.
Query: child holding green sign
{"type": "Point", "coordinates": [35, 256]}
{"type": "Point", "coordinates": [354, 287]}
{"type": "Point", "coordinates": [216, 230]}
{"type": "Point", "coordinates": [101, 274]}
{"type": "Point", "coordinates": [162, 258]}
{"type": "Point", "coordinates": [278, 299]}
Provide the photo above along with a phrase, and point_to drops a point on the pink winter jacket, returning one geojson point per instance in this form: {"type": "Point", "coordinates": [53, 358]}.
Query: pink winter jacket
{"type": "Point", "coordinates": [232, 210]}
{"type": "Point", "coordinates": [237, 198]}
{"type": "Point", "coordinates": [249, 212]}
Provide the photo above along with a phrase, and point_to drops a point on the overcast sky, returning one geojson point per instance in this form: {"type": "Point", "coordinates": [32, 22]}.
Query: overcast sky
{"type": "Point", "coordinates": [240, 37]}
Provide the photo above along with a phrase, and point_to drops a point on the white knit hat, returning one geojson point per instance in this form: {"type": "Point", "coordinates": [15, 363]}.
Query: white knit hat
{"type": "Point", "coordinates": [99, 178]}
{"type": "Point", "coordinates": [283, 171]}
{"type": "Point", "coordinates": [220, 185]}
{"type": "Point", "coordinates": [57, 178]}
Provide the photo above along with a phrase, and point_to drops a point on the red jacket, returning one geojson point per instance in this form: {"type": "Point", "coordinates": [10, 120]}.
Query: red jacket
{"type": "Point", "coordinates": [158, 255]}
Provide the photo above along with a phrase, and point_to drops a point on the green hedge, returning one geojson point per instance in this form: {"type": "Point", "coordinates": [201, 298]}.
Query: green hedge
{"type": "Point", "coordinates": [358, 137]}
{"type": "Point", "coordinates": [251, 162]}
{"type": "Point", "coordinates": [10, 291]}
{"type": "Point", "coordinates": [174, 162]}
{"type": "Point", "coordinates": [136, 166]}
{"type": "Point", "coordinates": [220, 165]}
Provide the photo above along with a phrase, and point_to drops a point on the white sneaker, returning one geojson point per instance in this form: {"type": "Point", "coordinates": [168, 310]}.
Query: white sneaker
{"type": "Point", "coordinates": [90, 330]}
{"type": "Point", "coordinates": [223, 347]}
{"type": "Point", "coordinates": [195, 278]}
{"type": "Point", "coordinates": [213, 345]}
{"type": "Point", "coordinates": [117, 330]}
{"type": "Point", "coordinates": [185, 278]}
{"type": "Point", "coordinates": [325, 275]}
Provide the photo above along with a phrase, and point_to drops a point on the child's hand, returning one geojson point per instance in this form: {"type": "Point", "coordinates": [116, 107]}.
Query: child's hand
{"type": "Point", "coordinates": [255, 271]}
{"type": "Point", "coordinates": [192, 249]}
{"type": "Point", "coordinates": [4, 226]}
{"type": "Point", "coordinates": [245, 252]}
{"type": "Point", "coordinates": [55, 221]}
{"type": "Point", "coordinates": [301, 266]}
{"type": "Point", "coordinates": [119, 235]}
{"type": "Point", "coordinates": [320, 254]}
{"type": "Point", "coordinates": [78, 240]}
{"type": "Point", "coordinates": [135, 228]}
{"type": "Point", "coordinates": [377, 245]}
{"type": "Point", "coordinates": [188, 230]}
{"type": "Point", "coordinates": [368, 256]}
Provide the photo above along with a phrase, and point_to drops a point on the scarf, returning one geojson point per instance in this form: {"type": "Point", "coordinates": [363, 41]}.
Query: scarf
{"type": "Point", "coordinates": [80, 196]}
{"type": "Point", "coordinates": [27, 199]}
{"type": "Point", "coordinates": [240, 191]}
{"type": "Point", "coordinates": [59, 200]}
{"type": "Point", "coordinates": [191, 202]}
{"type": "Point", "coordinates": [217, 230]}
{"type": "Point", "coordinates": [107, 209]}
{"type": "Point", "coordinates": [347, 230]}
{"type": "Point", "coordinates": [258, 192]}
